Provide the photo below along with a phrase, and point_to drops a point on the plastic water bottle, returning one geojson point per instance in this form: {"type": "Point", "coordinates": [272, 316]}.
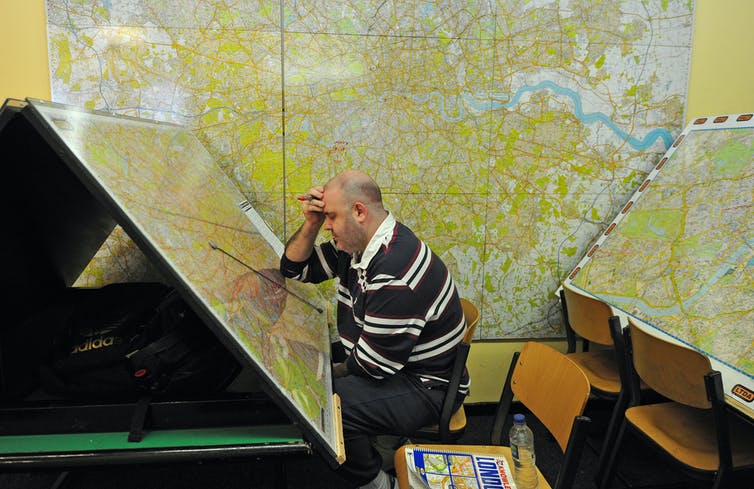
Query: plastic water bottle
{"type": "Point", "coordinates": [522, 450]}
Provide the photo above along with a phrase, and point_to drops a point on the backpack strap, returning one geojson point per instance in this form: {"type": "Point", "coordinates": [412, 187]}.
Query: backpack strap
{"type": "Point", "coordinates": [138, 419]}
{"type": "Point", "coordinates": [147, 363]}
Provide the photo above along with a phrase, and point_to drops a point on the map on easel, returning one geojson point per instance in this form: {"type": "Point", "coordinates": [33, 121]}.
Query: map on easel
{"type": "Point", "coordinates": [680, 255]}
{"type": "Point", "coordinates": [163, 187]}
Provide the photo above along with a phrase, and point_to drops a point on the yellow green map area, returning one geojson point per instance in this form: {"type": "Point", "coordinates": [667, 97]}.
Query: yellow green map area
{"type": "Point", "coordinates": [450, 471]}
{"type": "Point", "coordinates": [163, 186]}
{"type": "Point", "coordinates": [682, 258]}
{"type": "Point", "coordinates": [506, 133]}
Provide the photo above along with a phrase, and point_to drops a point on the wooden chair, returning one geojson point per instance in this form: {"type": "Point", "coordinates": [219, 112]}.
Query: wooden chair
{"type": "Point", "coordinates": [452, 424]}
{"type": "Point", "coordinates": [693, 427]}
{"type": "Point", "coordinates": [590, 319]}
{"type": "Point", "coordinates": [555, 390]}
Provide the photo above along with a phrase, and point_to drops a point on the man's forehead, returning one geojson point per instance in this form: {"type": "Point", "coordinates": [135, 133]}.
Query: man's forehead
{"type": "Point", "coordinates": [332, 198]}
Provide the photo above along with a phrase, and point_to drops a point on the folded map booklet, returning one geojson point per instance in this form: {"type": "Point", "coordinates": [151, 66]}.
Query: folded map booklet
{"type": "Point", "coordinates": [440, 469]}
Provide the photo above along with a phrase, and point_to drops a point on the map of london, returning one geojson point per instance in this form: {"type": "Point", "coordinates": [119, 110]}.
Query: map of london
{"type": "Point", "coordinates": [507, 134]}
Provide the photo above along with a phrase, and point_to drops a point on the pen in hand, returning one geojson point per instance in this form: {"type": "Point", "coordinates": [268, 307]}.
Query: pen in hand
{"type": "Point", "coordinates": [304, 198]}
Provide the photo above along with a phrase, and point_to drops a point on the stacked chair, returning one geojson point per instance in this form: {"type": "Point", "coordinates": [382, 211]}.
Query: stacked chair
{"type": "Point", "coordinates": [692, 427]}
{"type": "Point", "coordinates": [589, 319]}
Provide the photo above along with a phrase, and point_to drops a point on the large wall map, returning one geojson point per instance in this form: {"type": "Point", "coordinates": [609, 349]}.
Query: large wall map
{"type": "Point", "coordinates": [680, 255]}
{"type": "Point", "coordinates": [506, 133]}
{"type": "Point", "coordinates": [162, 185]}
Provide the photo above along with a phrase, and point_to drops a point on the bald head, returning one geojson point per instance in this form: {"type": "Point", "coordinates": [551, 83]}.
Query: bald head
{"type": "Point", "coordinates": [353, 209]}
{"type": "Point", "coordinates": [355, 185]}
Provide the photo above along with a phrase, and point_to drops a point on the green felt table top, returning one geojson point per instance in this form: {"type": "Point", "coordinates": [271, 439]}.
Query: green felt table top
{"type": "Point", "coordinates": [178, 438]}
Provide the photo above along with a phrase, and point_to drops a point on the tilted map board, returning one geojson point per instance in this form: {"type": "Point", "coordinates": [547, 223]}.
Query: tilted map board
{"type": "Point", "coordinates": [162, 186]}
{"type": "Point", "coordinates": [680, 255]}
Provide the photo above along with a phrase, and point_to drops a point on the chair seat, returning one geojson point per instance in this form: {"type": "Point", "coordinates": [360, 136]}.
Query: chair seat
{"type": "Point", "coordinates": [456, 426]}
{"type": "Point", "coordinates": [601, 368]}
{"type": "Point", "coordinates": [458, 420]}
{"type": "Point", "coordinates": [688, 434]}
{"type": "Point", "coordinates": [400, 459]}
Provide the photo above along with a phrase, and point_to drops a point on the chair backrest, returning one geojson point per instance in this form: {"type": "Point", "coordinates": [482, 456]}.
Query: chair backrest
{"type": "Point", "coordinates": [587, 316]}
{"type": "Point", "coordinates": [471, 312]}
{"type": "Point", "coordinates": [552, 387]}
{"type": "Point", "coordinates": [675, 371]}
{"type": "Point", "coordinates": [556, 391]}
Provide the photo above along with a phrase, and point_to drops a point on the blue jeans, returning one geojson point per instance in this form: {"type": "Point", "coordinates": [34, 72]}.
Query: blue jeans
{"type": "Point", "coordinates": [398, 405]}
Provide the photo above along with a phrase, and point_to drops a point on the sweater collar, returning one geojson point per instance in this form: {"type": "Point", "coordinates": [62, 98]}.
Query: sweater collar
{"type": "Point", "coordinates": [381, 237]}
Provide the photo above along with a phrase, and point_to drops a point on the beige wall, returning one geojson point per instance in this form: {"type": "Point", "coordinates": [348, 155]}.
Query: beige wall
{"type": "Point", "coordinates": [722, 72]}
{"type": "Point", "coordinates": [23, 50]}
{"type": "Point", "coordinates": [720, 83]}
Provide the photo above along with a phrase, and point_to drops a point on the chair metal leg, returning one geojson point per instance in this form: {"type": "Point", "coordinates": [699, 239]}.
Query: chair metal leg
{"type": "Point", "coordinates": [281, 474]}
{"type": "Point", "coordinates": [609, 467]}
{"type": "Point", "coordinates": [619, 410]}
{"type": "Point", "coordinates": [721, 480]}
{"type": "Point", "coordinates": [61, 480]}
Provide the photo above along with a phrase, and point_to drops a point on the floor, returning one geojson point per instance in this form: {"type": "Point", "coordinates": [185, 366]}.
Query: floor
{"type": "Point", "coordinates": [640, 467]}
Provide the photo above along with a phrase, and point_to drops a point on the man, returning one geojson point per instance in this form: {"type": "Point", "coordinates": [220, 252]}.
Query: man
{"type": "Point", "coordinates": [399, 317]}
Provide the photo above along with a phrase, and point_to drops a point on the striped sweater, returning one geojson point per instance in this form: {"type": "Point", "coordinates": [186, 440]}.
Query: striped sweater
{"type": "Point", "coordinates": [398, 308]}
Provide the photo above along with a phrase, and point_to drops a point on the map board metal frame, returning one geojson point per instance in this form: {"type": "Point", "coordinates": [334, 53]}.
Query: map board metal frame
{"type": "Point", "coordinates": [161, 185]}
{"type": "Point", "coordinates": [679, 257]}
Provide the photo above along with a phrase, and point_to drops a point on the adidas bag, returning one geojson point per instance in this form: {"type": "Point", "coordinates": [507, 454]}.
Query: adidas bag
{"type": "Point", "coordinates": [131, 339]}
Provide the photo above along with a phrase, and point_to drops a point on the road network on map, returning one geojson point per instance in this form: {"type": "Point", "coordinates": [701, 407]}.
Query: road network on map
{"type": "Point", "coordinates": [505, 133]}
{"type": "Point", "coordinates": [682, 259]}
{"type": "Point", "coordinates": [167, 189]}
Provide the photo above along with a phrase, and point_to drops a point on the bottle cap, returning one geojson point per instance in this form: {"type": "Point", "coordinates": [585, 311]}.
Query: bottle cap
{"type": "Point", "coordinates": [519, 418]}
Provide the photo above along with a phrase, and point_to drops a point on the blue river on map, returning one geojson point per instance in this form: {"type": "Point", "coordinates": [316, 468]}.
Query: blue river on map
{"type": "Point", "coordinates": [478, 102]}
{"type": "Point", "coordinates": [591, 118]}
{"type": "Point", "coordinates": [722, 270]}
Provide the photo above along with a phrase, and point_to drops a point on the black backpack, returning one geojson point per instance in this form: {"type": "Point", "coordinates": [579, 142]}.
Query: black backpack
{"type": "Point", "coordinates": [126, 340]}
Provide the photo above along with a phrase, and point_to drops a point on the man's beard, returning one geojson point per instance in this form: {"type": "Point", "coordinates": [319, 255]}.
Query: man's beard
{"type": "Point", "coordinates": [353, 239]}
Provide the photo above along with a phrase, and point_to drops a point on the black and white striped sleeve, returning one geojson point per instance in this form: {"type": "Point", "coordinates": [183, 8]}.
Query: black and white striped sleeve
{"type": "Point", "coordinates": [320, 266]}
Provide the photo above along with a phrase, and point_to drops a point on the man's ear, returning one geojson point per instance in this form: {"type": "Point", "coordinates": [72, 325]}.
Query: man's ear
{"type": "Point", "coordinates": [360, 211]}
